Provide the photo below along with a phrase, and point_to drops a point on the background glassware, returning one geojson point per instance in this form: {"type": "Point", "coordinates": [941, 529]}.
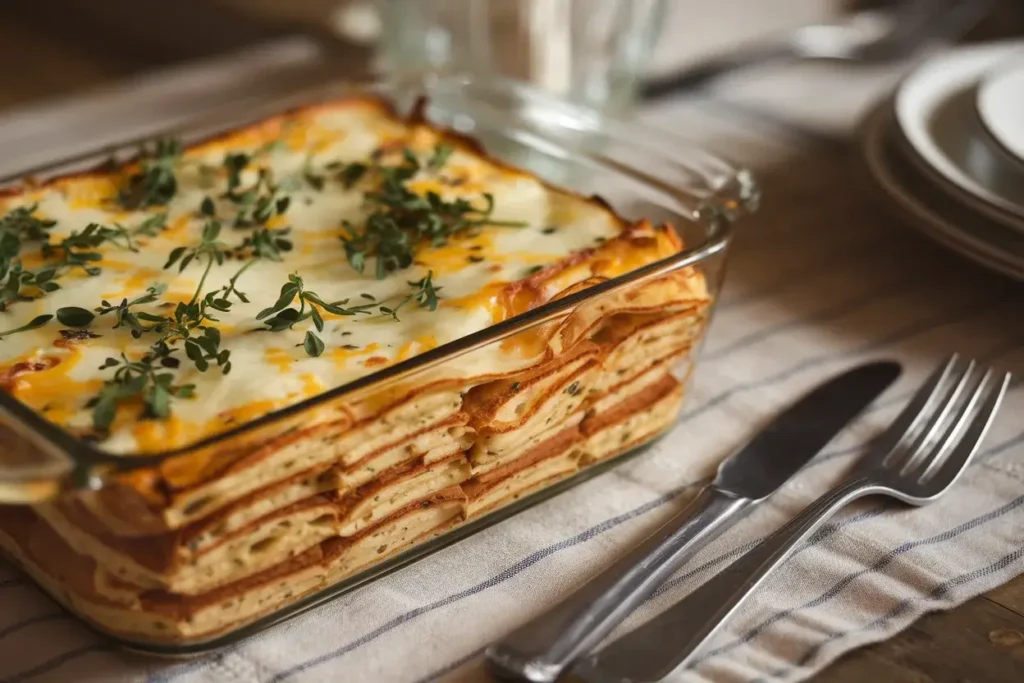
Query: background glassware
{"type": "Point", "coordinates": [588, 51]}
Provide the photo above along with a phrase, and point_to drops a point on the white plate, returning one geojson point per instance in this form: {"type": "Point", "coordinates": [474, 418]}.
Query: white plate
{"type": "Point", "coordinates": [936, 114]}
{"type": "Point", "coordinates": [934, 213]}
{"type": "Point", "coordinates": [1001, 106]}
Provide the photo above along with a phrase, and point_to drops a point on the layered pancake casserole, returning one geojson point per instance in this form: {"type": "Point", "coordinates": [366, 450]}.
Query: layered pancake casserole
{"type": "Point", "coordinates": [164, 305]}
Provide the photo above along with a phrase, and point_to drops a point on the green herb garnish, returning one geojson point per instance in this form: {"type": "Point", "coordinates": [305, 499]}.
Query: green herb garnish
{"type": "Point", "coordinates": [264, 243]}
{"type": "Point", "coordinates": [36, 322]}
{"type": "Point", "coordinates": [401, 219]}
{"type": "Point", "coordinates": [155, 184]}
{"type": "Point", "coordinates": [312, 178]}
{"type": "Point", "coordinates": [140, 379]}
{"type": "Point", "coordinates": [18, 227]}
{"type": "Point", "coordinates": [283, 316]}
{"type": "Point", "coordinates": [351, 173]}
{"type": "Point", "coordinates": [125, 317]}
{"type": "Point", "coordinates": [424, 293]}
{"type": "Point", "coordinates": [73, 316]}
{"type": "Point", "coordinates": [151, 227]}
{"type": "Point", "coordinates": [22, 223]}
{"type": "Point", "coordinates": [440, 156]}
{"type": "Point", "coordinates": [255, 204]}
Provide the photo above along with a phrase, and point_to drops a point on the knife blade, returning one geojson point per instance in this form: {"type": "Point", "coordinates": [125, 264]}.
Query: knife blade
{"type": "Point", "coordinates": [791, 439]}
{"type": "Point", "coordinates": [542, 649]}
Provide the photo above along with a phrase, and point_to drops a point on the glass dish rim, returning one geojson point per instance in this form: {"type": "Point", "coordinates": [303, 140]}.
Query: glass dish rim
{"type": "Point", "coordinates": [729, 190]}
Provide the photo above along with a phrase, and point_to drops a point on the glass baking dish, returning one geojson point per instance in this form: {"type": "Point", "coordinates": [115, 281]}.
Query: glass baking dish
{"type": "Point", "coordinates": [642, 173]}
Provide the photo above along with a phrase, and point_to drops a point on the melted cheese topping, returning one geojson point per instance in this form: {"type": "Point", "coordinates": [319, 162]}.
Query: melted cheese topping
{"type": "Point", "coordinates": [271, 369]}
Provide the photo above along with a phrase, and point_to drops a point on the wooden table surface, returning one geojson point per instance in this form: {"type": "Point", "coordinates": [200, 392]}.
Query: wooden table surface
{"type": "Point", "coordinates": [982, 641]}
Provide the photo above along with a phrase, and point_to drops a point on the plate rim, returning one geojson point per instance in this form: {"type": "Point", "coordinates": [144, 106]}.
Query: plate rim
{"type": "Point", "coordinates": [871, 137]}
{"type": "Point", "coordinates": [924, 156]}
{"type": "Point", "coordinates": [1015, 65]}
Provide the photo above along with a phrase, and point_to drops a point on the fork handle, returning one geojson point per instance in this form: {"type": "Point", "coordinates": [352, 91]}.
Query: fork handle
{"type": "Point", "coordinates": [656, 649]}
{"type": "Point", "coordinates": [544, 647]}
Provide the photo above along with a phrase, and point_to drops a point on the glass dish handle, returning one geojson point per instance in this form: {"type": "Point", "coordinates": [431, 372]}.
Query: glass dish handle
{"type": "Point", "coordinates": [31, 470]}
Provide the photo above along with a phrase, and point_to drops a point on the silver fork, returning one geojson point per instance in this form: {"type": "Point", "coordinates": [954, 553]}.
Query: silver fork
{"type": "Point", "coordinates": [918, 458]}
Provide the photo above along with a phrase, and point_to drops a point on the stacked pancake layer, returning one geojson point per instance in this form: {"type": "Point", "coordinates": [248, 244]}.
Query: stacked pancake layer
{"type": "Point", "coordinates": [208, 542]}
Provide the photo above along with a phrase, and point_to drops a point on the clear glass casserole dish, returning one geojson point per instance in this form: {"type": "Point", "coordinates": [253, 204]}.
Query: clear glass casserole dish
{"type": "Point", "coordinates": [630, 346]}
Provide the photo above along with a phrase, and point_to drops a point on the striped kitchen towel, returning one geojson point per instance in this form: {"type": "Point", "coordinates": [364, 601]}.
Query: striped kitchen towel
{"type": "Point", "coordinates": [819, 281]}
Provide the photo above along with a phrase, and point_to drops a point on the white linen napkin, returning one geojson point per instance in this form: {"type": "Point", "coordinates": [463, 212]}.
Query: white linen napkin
{"type": "Point", "coordinates": [819, 281]}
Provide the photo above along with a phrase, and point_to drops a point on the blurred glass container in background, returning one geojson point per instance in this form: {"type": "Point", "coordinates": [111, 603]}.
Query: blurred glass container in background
{"type": "Point", "coordinates": [588, 51]}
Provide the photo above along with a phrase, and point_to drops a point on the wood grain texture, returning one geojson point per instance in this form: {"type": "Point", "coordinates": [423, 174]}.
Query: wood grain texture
{"type": "Point", "coordinates": [982, 641]}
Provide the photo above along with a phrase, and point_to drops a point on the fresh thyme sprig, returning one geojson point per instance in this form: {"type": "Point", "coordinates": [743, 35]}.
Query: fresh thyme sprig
{"type": "Point", "coordinates": [423, 293]}
{"type": "Point", "coordinates": [134, 320]}
{"type": "Point", "coordinates": [285, 316]}
{"type": "Point", "coordinates": [437, 160]}
{"type": "Point", "coordinates": [263, 243]}
{"type": "Point", "coordinates": [314, 179]}
{"type": "Point", "coordinates": [77, 250]}
{"type": "Point", "coordinates": [401, 219]}
{"type": "Point", "coordinates": [255, 204]}
{"type": "Point", "coordinates": [150, 227]}
{"type": "Point", "coordinates": [139, 379]}
{"type": "Point", "coordinates": [188, 325]}
{"type": "Point", "coordinates": [33, 324]}
{"type": "Point", "coordinates": [18, 227]}
{"type": "Point", "coordinates": [202, 342]}
{"type": "Point", "coordinates": [155, 183]}
{"type": "Point", "coordinates": [70, 316]}
{"type": "Point", "coordinates": [22, 223]}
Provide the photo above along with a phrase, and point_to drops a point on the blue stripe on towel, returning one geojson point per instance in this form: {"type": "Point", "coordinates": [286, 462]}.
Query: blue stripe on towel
{"type": "Point", "coordinates": [882, 562]}
{"type": "Point", "coordinates": [934, 596]}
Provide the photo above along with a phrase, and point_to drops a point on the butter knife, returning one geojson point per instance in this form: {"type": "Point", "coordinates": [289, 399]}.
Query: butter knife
{"type": "Point", "coordinates": [542, 649]}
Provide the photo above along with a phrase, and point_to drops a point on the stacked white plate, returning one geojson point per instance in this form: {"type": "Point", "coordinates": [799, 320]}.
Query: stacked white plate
{"type": "Point", "coordinates": [948, 150]}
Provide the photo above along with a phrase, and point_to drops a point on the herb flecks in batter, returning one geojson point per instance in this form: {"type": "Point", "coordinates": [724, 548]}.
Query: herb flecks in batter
{"type": "Point", "coordinates": [401, 220]}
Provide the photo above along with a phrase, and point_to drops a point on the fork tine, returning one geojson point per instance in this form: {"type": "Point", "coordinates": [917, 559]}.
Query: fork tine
{"type": "Point", "coordinates": [941, 448]}
{"type": "Point", "coordinates": [920, 406]}
{"type": "Point", "coordinates": [935, 424]}
{"type": "Point", "coordinates": [967, 446]}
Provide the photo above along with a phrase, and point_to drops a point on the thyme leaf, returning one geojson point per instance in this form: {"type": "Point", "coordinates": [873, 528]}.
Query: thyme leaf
{"type": "Point", "coordinates": [36, 322]}
{"type": "Point", "coordinates": [401, 220]}
{"type": "Point", "coordinates": [155, 183]}
{"type": "Point", "coordinates": [424, 294]}
{"type": "Point", "coordinates": [73, 316]}
{"type": "Point", "coordinates": [134, 321]}
{"type": "Point", "coordinates": [255, 204]}
{"type": "Point", "coordinates": [142, 380]}
{"type": "Point", "coordinates": [17, 228]}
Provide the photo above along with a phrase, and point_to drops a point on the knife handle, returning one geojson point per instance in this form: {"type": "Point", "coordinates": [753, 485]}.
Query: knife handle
{"type": "Point", "coordinates": [544, 647]}
{"type": "Point", "coordinates": [669, 641]}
